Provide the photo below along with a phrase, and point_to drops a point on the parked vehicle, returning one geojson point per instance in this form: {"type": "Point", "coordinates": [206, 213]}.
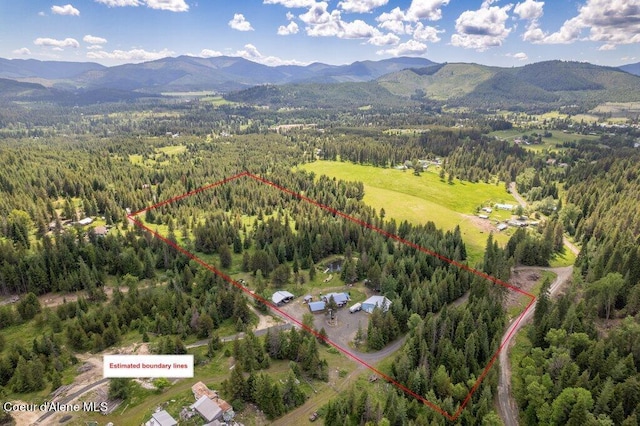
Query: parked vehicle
{"type": "Point", "coordinates": [355, 308]}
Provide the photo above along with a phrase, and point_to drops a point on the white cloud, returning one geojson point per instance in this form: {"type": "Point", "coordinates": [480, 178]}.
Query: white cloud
{"type": "Point", "coordinates": [208, 53]}
{"type": "Point", "coordinates": [357, 29]}
{"type": "Point", "coordinates": [384, 39]}
{"type": "Point", "coordinates": [94, 47]}
{"type": "Point", "coordinates": [292, 3]}
{"type": "Point", "coordinates": [93, 39]}
{"type": "Point", "coordinates": [292, 28]}
{"type": "Point", "coordinates": [426, 9]}
{"type": "Point", "coordinates": [612, 22]}
{"type": "Point", "coordinates": [411, 47]}
{"type": "Point", "coordinates": [529, 9]}
{"type": "Point", "coordinates": [426, 33]}
{"type": "Point", "coordinates": [482, 28]}
{"type": "Point", "coordinates": [134, 55]}
{"type": "Point", "coordinates": [240, 23]}
{"type": "Point", "coordinates": [252, 53]}
{"type": "Point", "coordinates": [607, 47]}
{"type": "Point", "coordinates": [568, 33]}
{"type": "Point", "coordinates": [322, 23]}
{"type": "Point", "coordinates": [317, 14]}
{"type": "Point", "coordinates": [361, 6]}
{"type": "Point", "coordinates": [393, 21]}
{"type": "Point", "coordinates": [532, 11]}
{"type": "Point", "coordinates": [59, 44]}
{"type": "Point", "coordinates": [290, 16]}
{"type": "Point", "coordinates": [521, 56]}
{"type": "Point", "coordinates": [120, 3]}
{"type": "Point", "coordinates": [22, 52]}
{"type": "Point", "coordinates": [42, 13]}
{"type": "Point", "coordinates": [170, 5]}
{"type": "Point", "coordinates": [67, 9]}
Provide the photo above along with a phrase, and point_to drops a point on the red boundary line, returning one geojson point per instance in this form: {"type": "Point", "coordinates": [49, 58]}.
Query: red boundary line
{"type": "Point", "coordinates": [451, 417]}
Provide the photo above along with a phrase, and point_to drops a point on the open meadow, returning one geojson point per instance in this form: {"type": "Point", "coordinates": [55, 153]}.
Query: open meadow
{"type": "Point", "coordinates": [419, 199]}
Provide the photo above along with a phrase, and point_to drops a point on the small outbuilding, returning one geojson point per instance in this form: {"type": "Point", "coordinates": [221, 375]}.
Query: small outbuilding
{"type": "Point", "coordinates": [86, 221]}
{"type": "Point", "coordinates": [161, 418]}
{"type": "Point", "coordinates": [208, 409]}
{"type": "Point", "coordinates": [280, 297]}
{"type": "Point", "coordinates": [308, 298]}
{"type": "Point", "coordinates": [373, 302]}
{"type": "Point", "coordinates": [316, 307]}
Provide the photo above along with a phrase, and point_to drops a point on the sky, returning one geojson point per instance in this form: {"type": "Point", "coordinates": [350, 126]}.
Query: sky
{"type": "Point", "coordinates": [278, 32]}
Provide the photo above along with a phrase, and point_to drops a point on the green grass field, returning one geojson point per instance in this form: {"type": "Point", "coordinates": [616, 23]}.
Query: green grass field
{"type": "Point", "coordinates": [547, 143]}
{"type": "Point", "coordinates": [419, 199]}
{"type": "Point", "coordinates": [172, 149]}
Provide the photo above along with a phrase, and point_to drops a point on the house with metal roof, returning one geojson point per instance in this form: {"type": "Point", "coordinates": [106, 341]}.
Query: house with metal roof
{"type": "Point", "coordinates": [316, 307]}
{"type": "Point", "coordinates": [207, 408]}
{"type": "Point", "coordinates": [341, 299]}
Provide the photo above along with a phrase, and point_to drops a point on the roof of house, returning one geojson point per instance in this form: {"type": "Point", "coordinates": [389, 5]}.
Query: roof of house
{"type": "Point", "coordinates": [162, 418]}
{"type": "Point", "coordinates": [379, 301]}
{"type": "Point", "coordinates": [281, 296]}
{"type": "Point", "coordinates": [207, 408]}
{"type": "Point", "coordinates": [316, 306]}
{"type": "Point", "coordinates": [199, 389]}
{"type": "Point", "coordinates": [339, 298]}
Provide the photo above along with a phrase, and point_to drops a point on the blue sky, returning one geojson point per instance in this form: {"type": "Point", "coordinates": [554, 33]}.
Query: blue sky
{"type": "Point", "coordinates": [274, 32]}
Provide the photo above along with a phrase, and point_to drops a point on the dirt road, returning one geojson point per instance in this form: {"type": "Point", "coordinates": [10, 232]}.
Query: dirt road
{"type": "Point", "coordinates": [507, 408]}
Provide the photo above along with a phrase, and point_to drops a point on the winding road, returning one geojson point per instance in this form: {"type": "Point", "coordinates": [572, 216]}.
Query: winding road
{"type": "Point", "coordinates": [507, 408]}
{"type": "Point", "coordinates": [506, 405]}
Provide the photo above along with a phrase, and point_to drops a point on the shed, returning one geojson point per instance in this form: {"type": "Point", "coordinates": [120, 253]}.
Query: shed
{"type": "Point", "coordinates": [85, 221]}
{"type": "Point", "coordinates": [502, 226]}
{"type": "Point", "coordinates": [376, 302]}
{"type": "Point", "coordinates": [161, 418]}
{"type": "Point", "coordinates": [208, 409]}
{"type": "Point", "coordinates": [315, 307]}
{"type": "Point", "coordinates": [281, 296]}
{"type": "Point", "coordinates": [308, 298]}
{"type": "Point", "coordinates": [508, 207]}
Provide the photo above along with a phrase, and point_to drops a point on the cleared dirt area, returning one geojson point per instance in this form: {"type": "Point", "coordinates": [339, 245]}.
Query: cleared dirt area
{"type": "Point", "coordinates": [523, 279]}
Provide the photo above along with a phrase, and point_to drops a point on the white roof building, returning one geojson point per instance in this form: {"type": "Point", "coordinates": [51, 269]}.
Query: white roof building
{"type": "Point", "coordinates": [373, 302]}
{"type": "Point", "coordinates": [281, 297]}
{"type": "Point", "coordinates": [161, 418]}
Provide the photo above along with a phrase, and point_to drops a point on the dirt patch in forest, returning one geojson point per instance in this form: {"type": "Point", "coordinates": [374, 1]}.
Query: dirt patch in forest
{"type": "Point", "coordinates": [524, 280]}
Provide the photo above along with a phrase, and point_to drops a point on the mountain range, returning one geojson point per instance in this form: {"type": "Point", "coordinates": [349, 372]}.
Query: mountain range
{"type": "Point", "coordinates": [188, 73]}
{"type": "Point", "coordinates": [389, 82]}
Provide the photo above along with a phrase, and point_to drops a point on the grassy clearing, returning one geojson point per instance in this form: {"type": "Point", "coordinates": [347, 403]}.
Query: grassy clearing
{"type": "Point", "coordinates": [172, 149]}
{"type": "Point", "coordinates": [217, 101]}
{"type": "Point", "coordinates": [547, 143]}
{"type": "Point", "coordinates": [566, 258]}
{"type": "Point", "coordinates": [419, 199]}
